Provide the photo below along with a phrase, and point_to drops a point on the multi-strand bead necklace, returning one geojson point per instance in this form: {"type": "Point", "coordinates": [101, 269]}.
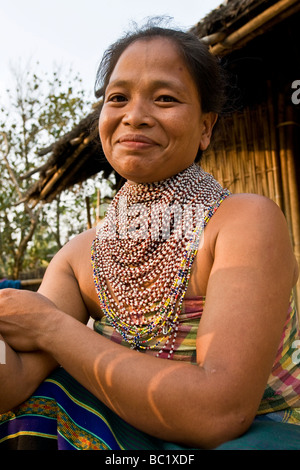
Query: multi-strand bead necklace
{"type": "Point", "coordinates": [143, 253]}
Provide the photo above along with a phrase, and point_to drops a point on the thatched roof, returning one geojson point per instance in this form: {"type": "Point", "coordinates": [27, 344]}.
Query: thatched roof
{"type": "Point", "coordinates": [78, 154]}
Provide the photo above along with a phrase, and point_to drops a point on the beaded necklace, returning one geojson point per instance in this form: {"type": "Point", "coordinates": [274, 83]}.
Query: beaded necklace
{"type": "Point", "coordinates": [143, 253]}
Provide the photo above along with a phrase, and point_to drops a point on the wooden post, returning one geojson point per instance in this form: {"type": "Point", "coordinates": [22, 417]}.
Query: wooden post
{"type": "Point", "coordinates": [98, 206]}
{"type": "Point", "coordinates": [88, 210]}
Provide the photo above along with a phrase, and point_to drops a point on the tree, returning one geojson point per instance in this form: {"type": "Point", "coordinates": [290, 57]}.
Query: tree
{"type": "Point", "coordinates": [41, 108]}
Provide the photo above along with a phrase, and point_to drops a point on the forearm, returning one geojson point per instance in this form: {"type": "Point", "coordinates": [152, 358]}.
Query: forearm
{"type": "Point", "coordinates": [172, 401]}
{"type": "Point", "coordinates": [20, 375]}
{"type": "Point", "coordinates": [10, 371]}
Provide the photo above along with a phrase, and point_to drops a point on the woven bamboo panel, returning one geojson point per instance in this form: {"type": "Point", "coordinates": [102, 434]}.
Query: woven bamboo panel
{"type": "Point", "coordinates": [254, 152]}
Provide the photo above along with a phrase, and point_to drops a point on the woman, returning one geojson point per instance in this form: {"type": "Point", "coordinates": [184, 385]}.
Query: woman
{"type": "Point", "coordinates": [156, 377]}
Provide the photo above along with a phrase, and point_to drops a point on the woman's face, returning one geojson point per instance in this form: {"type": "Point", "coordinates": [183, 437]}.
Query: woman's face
{"type": "Point", "coordinates": [151, 124]}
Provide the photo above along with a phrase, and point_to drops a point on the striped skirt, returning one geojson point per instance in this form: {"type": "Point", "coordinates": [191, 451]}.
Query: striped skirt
{"type": "Point", "coordinates": [63, 415]}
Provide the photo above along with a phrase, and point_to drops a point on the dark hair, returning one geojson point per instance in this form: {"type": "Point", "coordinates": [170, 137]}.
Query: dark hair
{"type": "Point", "coordinates": [203, 66]}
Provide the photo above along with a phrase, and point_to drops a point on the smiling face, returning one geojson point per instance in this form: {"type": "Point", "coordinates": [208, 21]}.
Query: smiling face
{"type": "Point", "coordinates": [151, 124]}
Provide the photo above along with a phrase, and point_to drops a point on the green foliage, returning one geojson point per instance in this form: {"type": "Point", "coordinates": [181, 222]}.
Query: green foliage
{"type": "Point", "coordinates": [38, 109]}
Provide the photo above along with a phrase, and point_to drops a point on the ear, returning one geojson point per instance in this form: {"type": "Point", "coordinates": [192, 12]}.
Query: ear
{"type": "Point", "coordinates": [208, 122]}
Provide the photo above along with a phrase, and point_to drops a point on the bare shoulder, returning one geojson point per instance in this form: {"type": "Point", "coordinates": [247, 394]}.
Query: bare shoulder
{"type": "Point", "coordinates": [246, 205]}
{"type": "Point", "coordinates": [253, 213]}
{"type": "Point", "coordinates": [76, 249]}
{"type": "Point", "coordinates": [81, 240]}
{"type": "Point", "coordinates": [61, 280]}
{"type": "Point", "coordinates": [256, 225]}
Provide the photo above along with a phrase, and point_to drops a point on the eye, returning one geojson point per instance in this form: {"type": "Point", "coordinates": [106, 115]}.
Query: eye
{"type": "Point", "coordinates": [116, 98]}
{"type": "Point", "coordinates": [167, 99]}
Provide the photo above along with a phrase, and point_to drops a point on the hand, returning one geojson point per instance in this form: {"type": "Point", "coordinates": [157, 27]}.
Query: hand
{"type": "Point", "coordinates": [24, 316]}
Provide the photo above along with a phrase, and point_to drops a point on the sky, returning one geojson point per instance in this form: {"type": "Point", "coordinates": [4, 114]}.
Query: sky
{"type": "Point", "coordinates": [75, 33]}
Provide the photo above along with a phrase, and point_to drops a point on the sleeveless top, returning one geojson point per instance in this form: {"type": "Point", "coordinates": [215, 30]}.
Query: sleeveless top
{"type": "Point", "coordinates": [282, 393]}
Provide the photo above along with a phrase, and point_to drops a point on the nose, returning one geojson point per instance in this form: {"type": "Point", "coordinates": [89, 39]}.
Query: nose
{"type": "Point", "coordinates": [137, 114]}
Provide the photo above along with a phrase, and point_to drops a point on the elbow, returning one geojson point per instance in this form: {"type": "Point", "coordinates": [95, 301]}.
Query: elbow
{"type": "Point", "coordinates": [224, 414]}
{"type": "Point", "coordinates": [4, 410]}
{"type": "Point", "coordinates": [208, 430]}
{"type": "Point", "coordinates": [221, 421]}
{"type": "Point", "coordinates": [226, 428]}
{"type": "Point", "coordinates": [6, 407]}
{"type": "Point", "coordinates": [226, 422]}
{"type": "Point", "coordinates": [9, 404]}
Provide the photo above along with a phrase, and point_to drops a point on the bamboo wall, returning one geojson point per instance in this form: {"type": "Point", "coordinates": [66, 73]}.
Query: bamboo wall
{"type": "Point", "coordinates": [255, 152]}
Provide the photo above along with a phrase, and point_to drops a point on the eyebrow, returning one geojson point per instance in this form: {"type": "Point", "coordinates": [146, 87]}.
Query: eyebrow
{"type": "Point", "coordinates": [175, 85]}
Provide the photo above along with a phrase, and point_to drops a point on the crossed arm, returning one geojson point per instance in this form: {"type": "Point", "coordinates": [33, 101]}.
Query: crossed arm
{"type": "Point", "coordinates": [246, 303]}
{"type": "Point", "coordinates": [27, 366]}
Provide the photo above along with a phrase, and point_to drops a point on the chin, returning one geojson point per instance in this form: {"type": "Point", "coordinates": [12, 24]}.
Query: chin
{"type": "Point", "coordinates": [142, 170]}
{"type": "Point", "coordinates": [136, 171]}
{"type": "Point", "coordinates": [140, 178]}
{"type": "Point", "coordinates": [149, 178]}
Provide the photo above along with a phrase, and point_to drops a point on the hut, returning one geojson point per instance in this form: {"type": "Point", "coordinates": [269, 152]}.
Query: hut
{"type": "Point", "coordinates": [256, 145]}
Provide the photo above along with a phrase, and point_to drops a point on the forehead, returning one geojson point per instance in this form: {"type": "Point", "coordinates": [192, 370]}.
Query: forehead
{"type": "Point", "coordinates": [155, 56]}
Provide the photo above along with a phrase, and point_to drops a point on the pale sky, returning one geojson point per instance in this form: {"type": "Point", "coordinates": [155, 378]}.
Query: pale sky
{"type": "Point", "coordinates": [76, 32]}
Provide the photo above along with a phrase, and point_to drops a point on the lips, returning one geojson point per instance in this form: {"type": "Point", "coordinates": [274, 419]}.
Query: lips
{"type": "Point", "coordinates": [138, 138]}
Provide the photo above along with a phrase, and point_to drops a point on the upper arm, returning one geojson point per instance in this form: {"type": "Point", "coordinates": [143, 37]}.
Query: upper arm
{"type": "Point", "coordinates": [247, 298]}
{"type": "Point", "coordinates": [60, 284]}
